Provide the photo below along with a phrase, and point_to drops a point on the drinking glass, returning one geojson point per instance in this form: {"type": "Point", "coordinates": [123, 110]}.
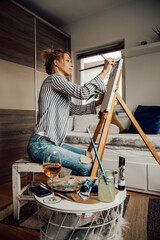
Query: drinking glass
{"type": "Point", "coordinates": [106, 190]}
{"type": "Point", "coordinates": [51, 168]}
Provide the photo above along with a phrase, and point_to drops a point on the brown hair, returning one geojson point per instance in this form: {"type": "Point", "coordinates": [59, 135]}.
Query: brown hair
{"type": "Point", "coordinates": [50, 55]}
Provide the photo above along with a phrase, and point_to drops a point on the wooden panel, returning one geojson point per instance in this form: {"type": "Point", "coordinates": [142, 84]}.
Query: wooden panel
{"type": "Point", "coordinates": [16, 34]}
{"type": "Point", "coordinates": [16, 127]}
{"type": "Point", "coordinates": [46, 36]}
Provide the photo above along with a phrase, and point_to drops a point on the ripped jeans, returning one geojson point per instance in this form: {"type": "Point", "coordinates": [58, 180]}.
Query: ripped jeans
{"type": "Point", "coordinates": [70, 156]}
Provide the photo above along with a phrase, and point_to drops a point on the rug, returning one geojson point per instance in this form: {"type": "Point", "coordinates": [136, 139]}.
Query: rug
{"type": "Point", "coordinates": [142, 215]}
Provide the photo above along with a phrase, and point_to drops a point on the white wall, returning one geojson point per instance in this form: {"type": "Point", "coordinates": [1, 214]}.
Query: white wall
{"type": "Point", "coordinates": [143, 80]}
{"type": "Point", "coordinates": [132, 22]}
{"type": "Point", "coordinates": [17, 86]}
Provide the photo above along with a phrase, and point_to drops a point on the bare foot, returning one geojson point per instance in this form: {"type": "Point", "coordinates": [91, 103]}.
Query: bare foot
{"type": "Point", "coordinates": [88, 154]}
{"type": "Point", "coordinates": [85, 159]}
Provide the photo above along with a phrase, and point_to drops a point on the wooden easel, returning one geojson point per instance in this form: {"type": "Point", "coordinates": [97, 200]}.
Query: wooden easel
{"type": "Point", "coordinates": [105, 118]}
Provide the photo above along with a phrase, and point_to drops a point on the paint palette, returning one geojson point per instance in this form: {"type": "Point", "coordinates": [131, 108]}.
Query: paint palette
{"type": "Point", "coordinates": [68, 184]}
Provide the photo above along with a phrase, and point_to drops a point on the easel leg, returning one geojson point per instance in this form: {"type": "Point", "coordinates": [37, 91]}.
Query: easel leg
{"type": "Point", "coordinates": [103, 139]}
{"type": "Point", "coordinates": [101, 116]}
{"type": "Point", "coordinates": [139, 129]}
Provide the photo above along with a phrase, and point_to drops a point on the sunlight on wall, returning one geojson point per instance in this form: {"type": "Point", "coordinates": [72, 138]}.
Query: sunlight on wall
{"type": "Point", "coordinates": [17, 86]}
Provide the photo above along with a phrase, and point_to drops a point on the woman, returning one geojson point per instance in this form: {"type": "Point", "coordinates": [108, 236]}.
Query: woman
{"type": "Point", "coordinates": [54, 110]}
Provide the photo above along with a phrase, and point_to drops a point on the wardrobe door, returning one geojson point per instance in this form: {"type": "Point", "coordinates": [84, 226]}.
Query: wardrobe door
{"type": "Point", "coordinates": [47, 37]}
{"type": "Point", "coordinates": [20, 79]}
{"type": "Point", "coordinates": [16, 34]}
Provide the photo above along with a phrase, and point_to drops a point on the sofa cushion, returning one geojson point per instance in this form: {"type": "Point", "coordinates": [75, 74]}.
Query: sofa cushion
{"type": "Point", "coordinates": [148, 118]}
{"type": "Point", "coordinates": [93, 127]}
{"type": "Point", "coordinates": [70, 124]}
{"type": "Point", "coordinates": [112, 130]}
{"type": "Point", "coordinates": [123, 141]}
{"type": "Point", "coordinates": [81, 123]}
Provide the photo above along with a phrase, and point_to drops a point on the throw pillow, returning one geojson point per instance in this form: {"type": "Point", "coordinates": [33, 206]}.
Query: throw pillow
{"type": "Point", "coordinates": [70, 124]}
{"type": "Point", "coordinates": [93, 127]}
{"type": "Point", "coordinates": [112, 130]}
{"type": "Point", "coordinates": [81, 123]}
{"type": "Point", "coordinates": [148, 117]}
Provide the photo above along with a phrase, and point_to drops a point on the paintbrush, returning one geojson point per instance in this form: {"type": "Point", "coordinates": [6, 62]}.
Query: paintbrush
{"type": "Point", "coordinates": [65, 196]}
{"type": "Point", "coordinates": [99, 161]}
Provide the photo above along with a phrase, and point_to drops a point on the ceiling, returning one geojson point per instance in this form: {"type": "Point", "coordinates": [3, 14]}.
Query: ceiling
{"type": "Point", "coordinates": [64, 12]}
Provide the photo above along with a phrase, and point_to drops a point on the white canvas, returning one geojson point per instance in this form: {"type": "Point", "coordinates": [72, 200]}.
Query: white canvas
{"type": "Point", "coordinates": [111, 86]}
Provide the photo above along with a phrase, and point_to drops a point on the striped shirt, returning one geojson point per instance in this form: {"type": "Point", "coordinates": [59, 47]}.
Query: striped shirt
{"type": "Point", "coordinates": [55, 105]}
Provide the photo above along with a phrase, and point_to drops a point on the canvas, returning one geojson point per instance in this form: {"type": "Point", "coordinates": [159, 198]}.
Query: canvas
{"type": "Point", "coordinates": [111, 86]}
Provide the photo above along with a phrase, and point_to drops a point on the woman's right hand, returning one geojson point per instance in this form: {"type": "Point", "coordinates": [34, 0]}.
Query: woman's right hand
{"type": "Point", "coordinates": [107, 64]}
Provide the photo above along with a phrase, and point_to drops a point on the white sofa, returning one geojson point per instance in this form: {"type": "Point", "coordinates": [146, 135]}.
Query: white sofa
{"type": "Point", "coordinates": [142, 171]}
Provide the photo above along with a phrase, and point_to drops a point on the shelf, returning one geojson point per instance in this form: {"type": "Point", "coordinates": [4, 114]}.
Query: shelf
{"type": "Point", "coordinates": [141, 50]}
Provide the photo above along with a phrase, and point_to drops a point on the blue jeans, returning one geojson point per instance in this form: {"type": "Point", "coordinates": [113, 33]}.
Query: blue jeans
{"type": "Point", "coordinates": [70, 156]}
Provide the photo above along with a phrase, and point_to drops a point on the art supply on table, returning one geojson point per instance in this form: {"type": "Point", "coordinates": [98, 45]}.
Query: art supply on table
{"type": "Point", "coordinates": [95, 188]}
{"type": "Point", "coordinates": [87, 185]}
{"type": "Point", "coordinates": [84, 195]}
{"type": "Point", "coordinates": [85, 189]}
{"type": "Point", "coordinates": [68, 180]}
{"type": "Point", "coordinates": [64, 195]}
{"type": "Point", "coordinates": [67, 185]}
{"type": "Point", "coordinates": [107, 192]}
{"type": "Point", "coordinates": [121, 174]}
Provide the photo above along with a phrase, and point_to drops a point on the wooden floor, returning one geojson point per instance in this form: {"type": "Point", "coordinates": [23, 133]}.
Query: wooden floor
{"type": "Point", "coordinates": [8, 232]}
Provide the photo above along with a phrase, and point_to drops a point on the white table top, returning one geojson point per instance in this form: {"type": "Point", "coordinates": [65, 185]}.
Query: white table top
{"type": "Point", "coordinates": [74, 207]}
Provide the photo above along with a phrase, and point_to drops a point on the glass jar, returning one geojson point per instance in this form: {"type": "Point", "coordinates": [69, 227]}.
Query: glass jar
{"type": "Point", "coordinates": [106, 190]}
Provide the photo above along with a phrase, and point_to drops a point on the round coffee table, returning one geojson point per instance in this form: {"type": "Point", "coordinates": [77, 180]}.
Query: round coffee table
{"type": "Point", "coordinates": [68, 220]}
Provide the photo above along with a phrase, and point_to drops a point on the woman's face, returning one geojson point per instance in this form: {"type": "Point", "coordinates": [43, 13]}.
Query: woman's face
{"type": "Point", "coordinates": [64, 65]}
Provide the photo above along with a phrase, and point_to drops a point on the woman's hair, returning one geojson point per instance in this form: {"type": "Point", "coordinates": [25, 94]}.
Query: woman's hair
{"type": "Point", "coordinates": [49, 56]}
